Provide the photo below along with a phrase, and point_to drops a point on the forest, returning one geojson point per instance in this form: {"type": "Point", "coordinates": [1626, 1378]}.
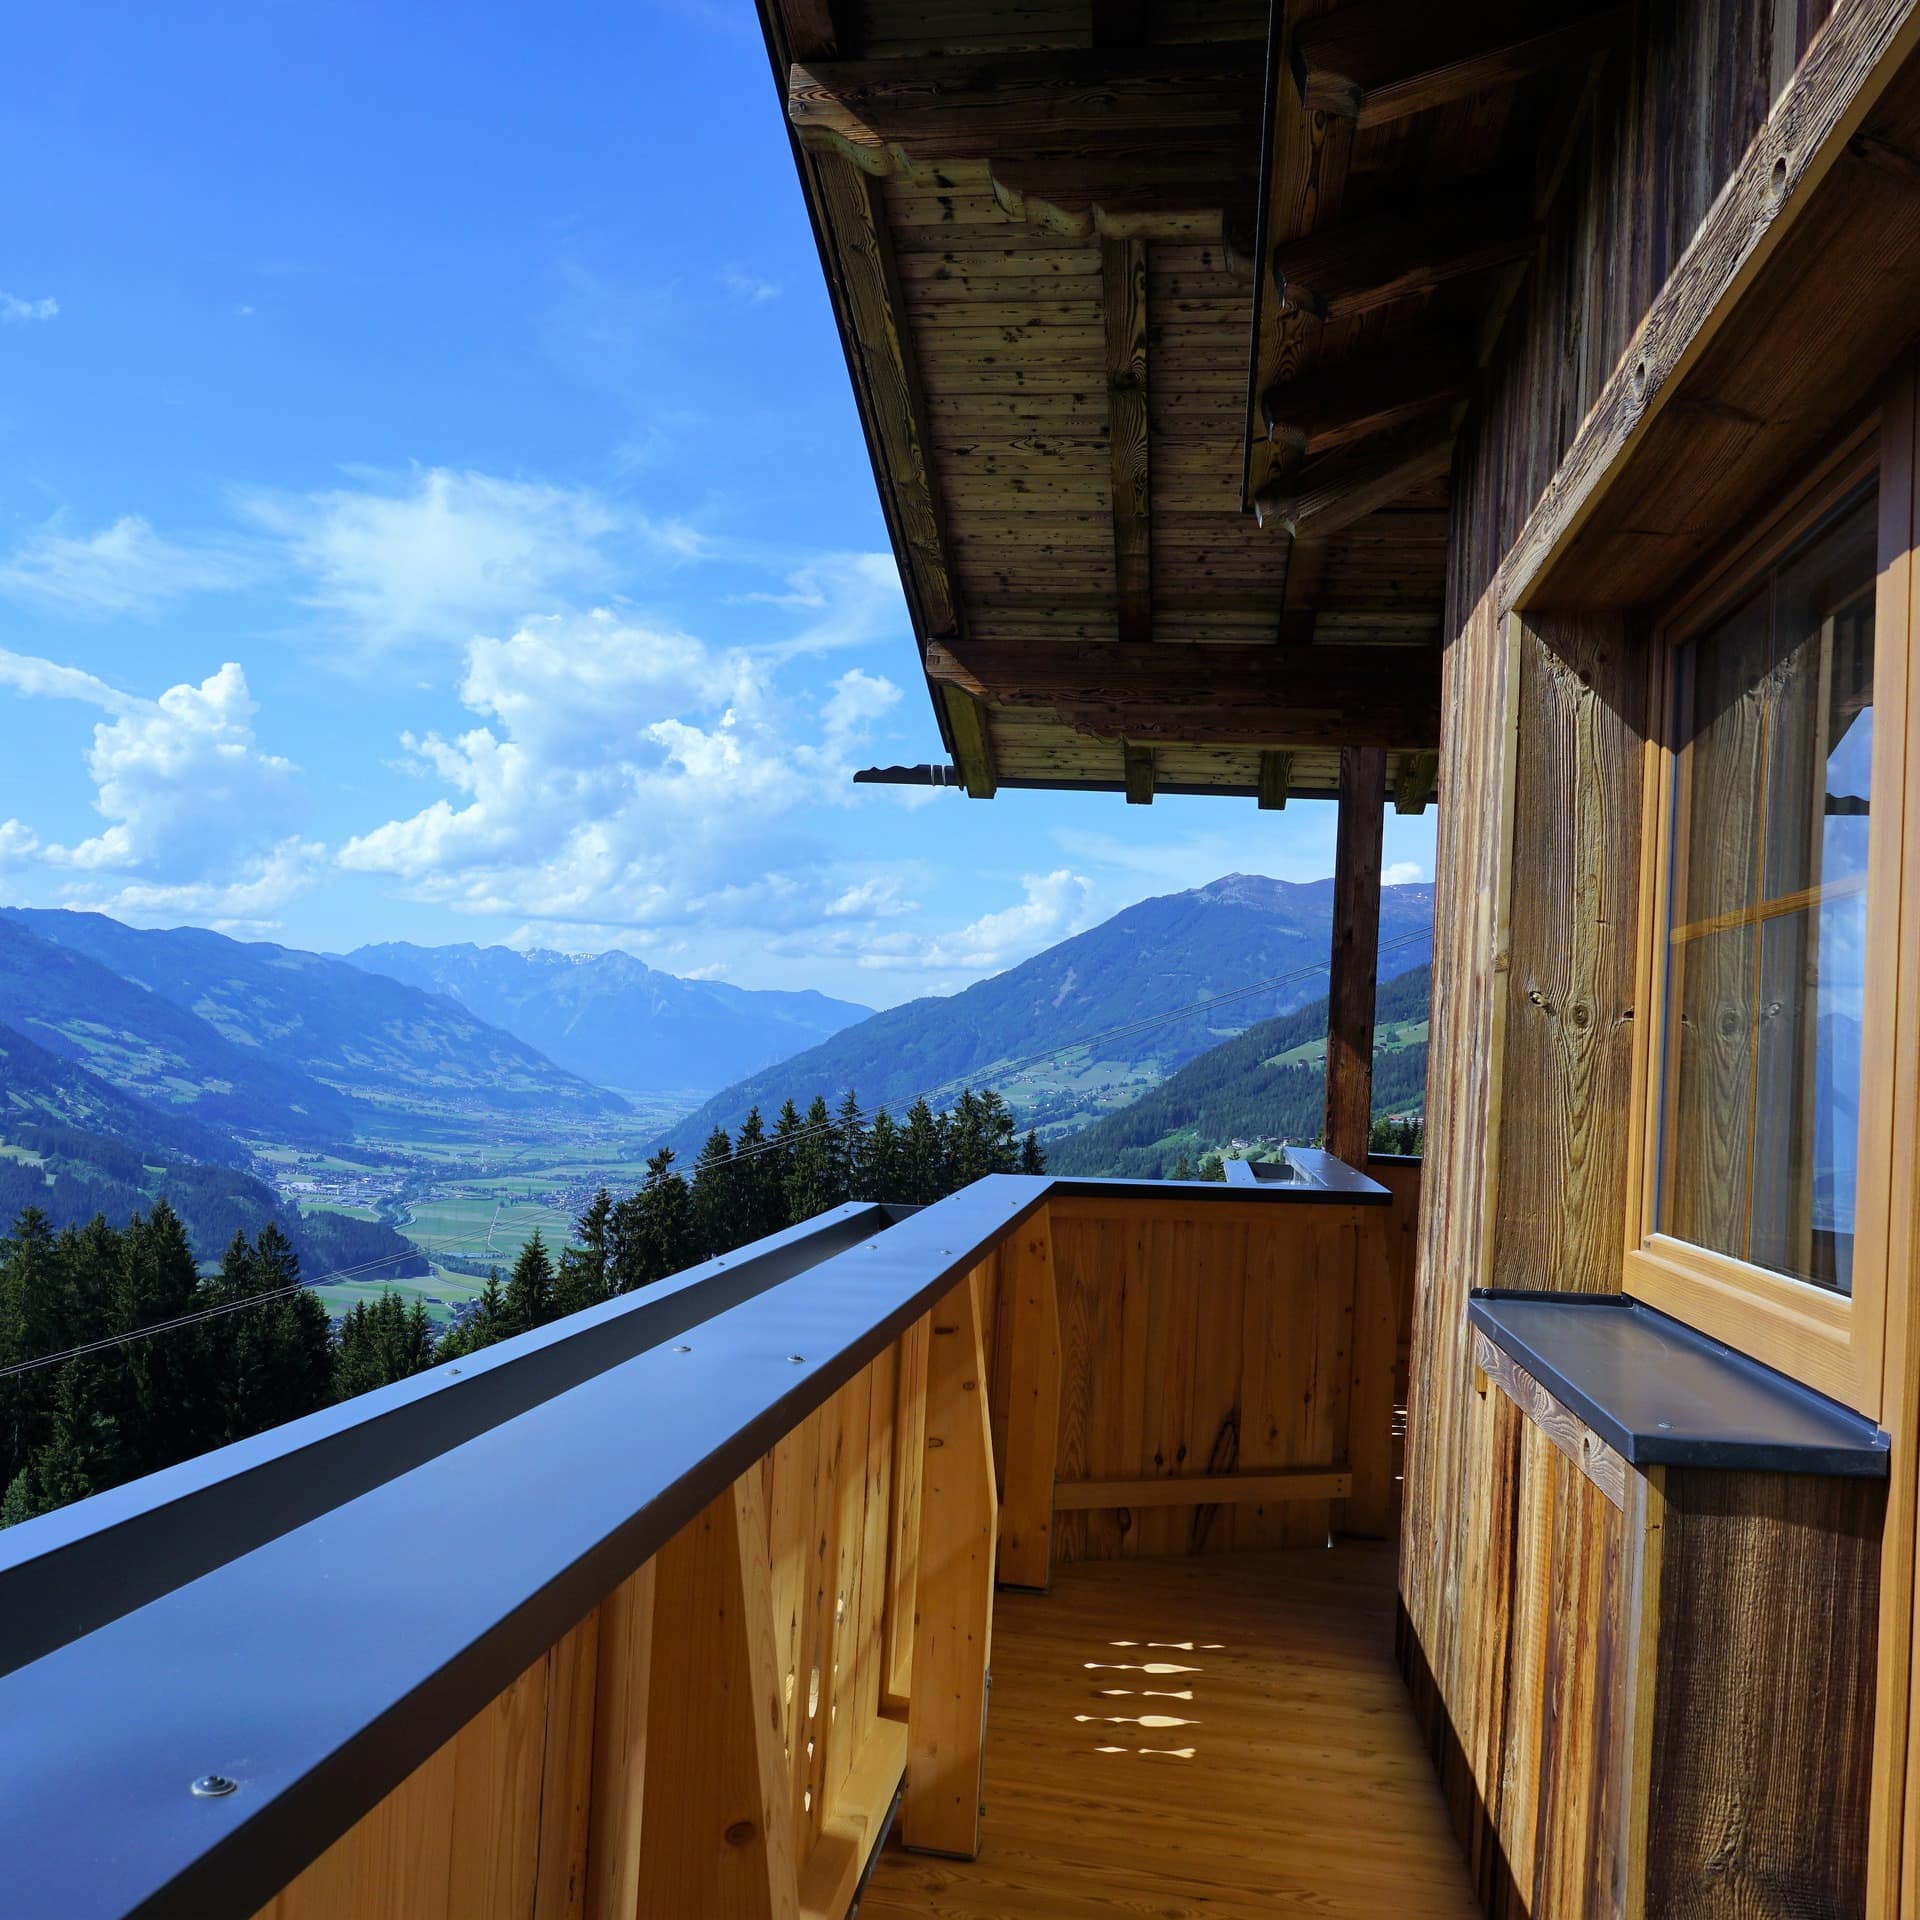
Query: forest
{"type": "Point", "coordinates": [120, 1356]}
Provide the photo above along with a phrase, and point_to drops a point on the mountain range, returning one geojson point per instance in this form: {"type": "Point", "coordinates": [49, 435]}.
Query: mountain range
{"type": "Point", "coordinates": [615, 1020]}
{"type": "Point", "coordinates": [1263, 941]}
{"type": "Point", "coordinates": [258, 1038]}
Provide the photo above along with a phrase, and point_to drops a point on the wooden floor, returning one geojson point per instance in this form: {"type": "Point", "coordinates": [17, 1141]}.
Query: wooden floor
{"type": "Point", "coordinates": [1220, 1736]}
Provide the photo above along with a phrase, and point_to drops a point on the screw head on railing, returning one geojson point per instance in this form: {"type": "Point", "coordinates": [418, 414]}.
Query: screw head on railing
{"type": "Point", "coordinates": [214, 1786]}
{"type": "Point", "coordinates": [796, 1359]}
{"type": "Point", "coordinates": [683, 1349]}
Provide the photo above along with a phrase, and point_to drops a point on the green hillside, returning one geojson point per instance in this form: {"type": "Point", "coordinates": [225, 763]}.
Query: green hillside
{"type": "Point", "coordinates": [1149, 962]}
{"type": "Point", "coordinates": [1264, 1084]}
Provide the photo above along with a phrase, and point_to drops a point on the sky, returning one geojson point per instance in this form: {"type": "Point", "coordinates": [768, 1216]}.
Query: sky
{"type": "Point", "coordinates": [432, 507]}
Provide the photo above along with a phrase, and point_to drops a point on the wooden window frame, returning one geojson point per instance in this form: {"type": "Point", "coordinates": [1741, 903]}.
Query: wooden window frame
{"type": "Point", "coordinates": [1832, 1342]}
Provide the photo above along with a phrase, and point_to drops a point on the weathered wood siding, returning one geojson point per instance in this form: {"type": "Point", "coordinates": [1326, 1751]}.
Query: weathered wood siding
{"type": "Point", "coordinates": [1521, 1628]}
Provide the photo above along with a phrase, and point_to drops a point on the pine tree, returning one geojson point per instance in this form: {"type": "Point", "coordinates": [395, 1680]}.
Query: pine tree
{"type": "Point", "coordinates": [582, 1277]}
{"type": "Point", "coordinates": [163, 1401]}
{"type": "Point", "coordinates": [483, 1324]}
{"type": "Point", "coordinates": [757, 1183]}
{"type": "Point", "coordinates": [383, 1341]}
{"type": "Point", "coordinates": [530, 1290]}
{"type": "Point", "coordinates": [717, 1201]}
{"type": "Point", "coordinates": [34, 1321]}
{"type": "Point", "coordinates": [276, 1357]}
{"type": "Point", "coordinates": [655, 1227]}
{"type": "Point", "coordinates": [849, 1151]}
{"type": "Point", "coordinates": [882, 1170]}
{"type": "Point", "coordinates": [922, 1156]}
{"type": "Point", "coordinates": [811, 1164]}
{"type": "Point", "coordinates": [1033, 1158]}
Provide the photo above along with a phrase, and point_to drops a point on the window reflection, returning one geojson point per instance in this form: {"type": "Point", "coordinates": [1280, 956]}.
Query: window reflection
{"type": "Point", "coordinates": [1768, 921]}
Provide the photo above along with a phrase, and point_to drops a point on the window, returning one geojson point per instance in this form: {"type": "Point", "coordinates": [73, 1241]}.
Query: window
{"type": "Point", "coordinates": [1767, 932]}
{"type": "Point", "coordinates": [1774, 836]}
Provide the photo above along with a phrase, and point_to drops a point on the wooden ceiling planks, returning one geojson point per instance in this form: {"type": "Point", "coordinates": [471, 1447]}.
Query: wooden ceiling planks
{"type": "Point", "coordinates": [1043, 215]}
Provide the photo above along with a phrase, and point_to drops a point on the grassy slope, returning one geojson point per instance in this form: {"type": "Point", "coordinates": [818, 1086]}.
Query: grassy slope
{"type": "Point", "coordinates": [1264, 1084]}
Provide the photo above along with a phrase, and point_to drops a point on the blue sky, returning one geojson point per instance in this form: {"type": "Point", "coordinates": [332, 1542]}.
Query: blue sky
{"type": "Point", "coordinates": [432, 507]}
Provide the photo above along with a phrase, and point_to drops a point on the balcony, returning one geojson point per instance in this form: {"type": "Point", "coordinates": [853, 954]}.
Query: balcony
{"type": "Point", "coordinates": [695, 1604]}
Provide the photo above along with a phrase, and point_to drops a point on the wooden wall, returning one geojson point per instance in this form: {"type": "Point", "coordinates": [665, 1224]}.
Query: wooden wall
{"type": "Point", "coordinates": [768, 1654]}
{"type": "Point", "coordinates": [1511, 1575]}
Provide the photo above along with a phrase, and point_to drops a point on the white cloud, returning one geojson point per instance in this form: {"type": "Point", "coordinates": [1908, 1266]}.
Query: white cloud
{"type": "Point", "coordinates": [623, 776]}
{"type": "Point", "coordinates": [749, 287]}
{"type": "Point", "coordinates": [14, 311]}
{"type": "Point", "coordinates": [439, 554]}
{"type": "Point", "coordinates": [856, 597]}
{"type": "Point", "coordinates": [1053, 907]}
{"type": "Point", "coordinates": [125, 568]}
{"type": "Point", "coordinates": [28, 674]}
{"type": "Point", "coordinates": [1402, 873]}
{"type": "Point", "coordinates": [200, 821]}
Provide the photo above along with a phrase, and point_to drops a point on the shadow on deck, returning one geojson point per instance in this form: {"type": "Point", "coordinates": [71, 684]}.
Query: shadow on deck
{"type": "Point", "coordinates": [1218, 1736]}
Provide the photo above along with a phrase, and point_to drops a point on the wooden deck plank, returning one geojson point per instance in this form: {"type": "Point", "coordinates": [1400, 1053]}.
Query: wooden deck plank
{"type": "Point", "coordinates": [1306, 1788]}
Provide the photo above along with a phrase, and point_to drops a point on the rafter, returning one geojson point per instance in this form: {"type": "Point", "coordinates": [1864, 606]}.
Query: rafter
{"type": "Point", "coordinates": [1414, 788]}
{"type": "Point", "coordinates": [1276, 776]}
{"type": "Point", "coordinates": [1303, 185]}
{"type": "Point", "coordinates": [1372, 392]}
{"type": "Point", "coordinates": [1087, 102]}
{"type": "Point", "coordinates": [1381, 60]}
{"type": "Point", "coordinates": [1339, 488]}
{"type": "Point", "coordinates": [1139, 774]}
{"type": "Point", "coordinates": [1266, 696]}
{"type": "Point", "coordinates": [972, 743]}
{"type": "Point", "coordinates": [1362, 264]}
{"type": "Point", "coordinates": [1123, 279]}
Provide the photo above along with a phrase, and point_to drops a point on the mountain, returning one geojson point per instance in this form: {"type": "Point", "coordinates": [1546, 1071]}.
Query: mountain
{"type": "Point", "coordinates": [266, 1039]}
{"type": "Point", "coordinates": [1152, 960]}
{"type": "Point", "coordinates": [616, 1020]}
{"type": "Point", "coordinates": [74, 1146]}
{"type": "Point", "coordinates": [141, 1043]}
{"type": "Point", "coordinates": [1264, 1084]}
{"type": "Point", "coordinates": [40, 1088]}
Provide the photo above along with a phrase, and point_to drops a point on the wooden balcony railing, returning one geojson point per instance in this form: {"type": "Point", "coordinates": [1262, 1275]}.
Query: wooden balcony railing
{"type": "Point", "coordinates": [665, 1609]}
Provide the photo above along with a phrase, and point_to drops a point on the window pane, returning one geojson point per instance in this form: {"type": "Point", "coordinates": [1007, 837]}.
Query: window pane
{"type": "Point", "coordinates": [1767, 929]}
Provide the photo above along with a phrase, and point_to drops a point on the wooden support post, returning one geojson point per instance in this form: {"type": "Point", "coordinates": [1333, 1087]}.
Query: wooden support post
{"type": "Point", "coordinates": [972, 743]}
{"type": "Point", "coordinates": [621, 1687]}
{"type": "Point", "coordinates": [1276, 776]}
{"type": "Point", "coordinates": [1028, 1299]}
{"type": "Point", "coordinates": [953, 1610]}
{"type": "Point", "coordinates": [715, 1839]}
{"type": "Point", "coordinates": [1356, 952]}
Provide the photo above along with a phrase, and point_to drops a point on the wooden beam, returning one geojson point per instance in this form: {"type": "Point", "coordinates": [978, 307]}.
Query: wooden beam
{"type": "Point", "coordinates": [1303, 183]}
{"type": "Point", "coordinates": [1205, 1489]}
{"type": "Point", "coordinates": [1340, 488]}
{"type": "Point", "coordinates": [1139, 774]}
{"type": "Point", "coordinates": [1265, 696]}
{"type": "Point", "coordinates": [1028, 1295]}
{"type": "Point", "coordinates": [1414, 788]}
{"type": "Point", "coordinates": [953, 1604]}
{"type": "Point", "coordinates": [1852, 61]}
{"type": "Point", "coordinates": [812, 32]}
{"type": "Point", "coordinates": [1381, 60]}
{"type": "Point", "coordinates": [1372, 392]}
{"type": "Point", "coordinates": [1359, 265]}
{"type": "Point", "coordinates": [1356, 953]}
{"type": "Point", "coordinates": [1276, 776]}
{"type": "Point", "coordinates": [972, 743]}
{"type": "Point", "coordinates": [860, 261]}
{"type": "Point", "coordinates": [715, 1837]}
{"type": "Point", "coordinates": [1123, 283]}
{"type": "Point", "coordinates": [1084, 103]}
